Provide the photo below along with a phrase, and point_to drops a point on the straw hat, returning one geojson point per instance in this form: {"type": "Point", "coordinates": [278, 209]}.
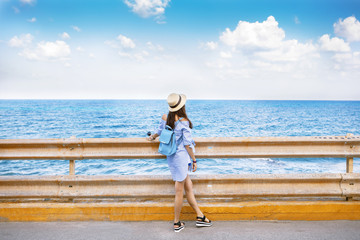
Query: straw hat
{"type": "Point", "coordinates": [176, 101]}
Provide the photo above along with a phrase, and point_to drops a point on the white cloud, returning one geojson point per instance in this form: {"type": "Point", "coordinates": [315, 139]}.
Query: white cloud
{"type": "Point", "coordinates": [28, 1]}
{"type": "Point", "coordinates": [290, 50]}
{"type": "Point", "coordinates": [347, 60]}
{"type": "Point", "coordinates": [112, 44]}
{"type": "Point", "coordinates": [333, 44]}
{"type": "Point", "coordinates": [147, 8]}
{"type": "Point", "coordinates": [55, 49]}
{"type": "Point", "coordinates": [22, 41]}
{"type": "Point", "coordinates": [296, 20]}
{"type": "Point", "coordinates": [32, 20]}
{"type": "Point", "coordinates": [265, 35]}
{"type": "Point", "coordinates": [153, 47]}
{"type": "Point", "coordinates": [124, 54]}
{"type": "Point", "coordinates": [340, 57]}
{"type": "Point", "coordinates": [139, 56]}
{"type": "Point", "coordinates": [126, 42]}
{"type": "Point", "coordinates": [80, 49]}
{"type": "Point", "coordinates": [258, 51]}
{"type": "Point", "coordinates": [225, 54]}
{"type": "Point", "coordinates": [348, 28]}
{"type": "Point", "coordinates": [47, 51]}
{"type": "Point", "coordinates": [65, 35]}
{"type": "Point", "coordinates": [128, 49]}
{"type": "Point", "coordinates": [211, 45]}
{"type": "Point", "coordinates": [265, 41]}
{"type": "Point", "coordinates": [76, 28]}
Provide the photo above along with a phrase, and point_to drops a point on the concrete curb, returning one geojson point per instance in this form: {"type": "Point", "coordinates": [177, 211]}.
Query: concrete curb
{"type": "Point", "coordinates": [255, 210]}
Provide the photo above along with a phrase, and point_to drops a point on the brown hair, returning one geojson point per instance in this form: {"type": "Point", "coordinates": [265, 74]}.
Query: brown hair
{"type": "Point", "coordinates": [181, 113]}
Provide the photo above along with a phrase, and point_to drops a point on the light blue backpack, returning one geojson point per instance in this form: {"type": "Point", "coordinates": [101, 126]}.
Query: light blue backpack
{"type": "Point", "coordinates": [167, 141]}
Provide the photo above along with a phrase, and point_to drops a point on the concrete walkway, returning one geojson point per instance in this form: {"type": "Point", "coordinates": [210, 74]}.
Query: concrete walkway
{"type": "Point", "coordinates": [274, 230]}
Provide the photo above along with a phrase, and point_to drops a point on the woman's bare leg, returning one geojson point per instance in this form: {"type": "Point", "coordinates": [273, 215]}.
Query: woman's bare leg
{"type": "Point", "coordinates": [191, 197]}
{"type": "Point", "coordinates": [179, 195]}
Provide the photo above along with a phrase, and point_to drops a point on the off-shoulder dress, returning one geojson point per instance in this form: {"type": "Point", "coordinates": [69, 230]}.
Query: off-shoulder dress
{"type": "Point", "coordinates": [179, 161]}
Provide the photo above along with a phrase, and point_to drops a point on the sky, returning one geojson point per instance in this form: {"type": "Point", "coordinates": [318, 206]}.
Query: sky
{"type": "Point", "coordinates": [206, 49]}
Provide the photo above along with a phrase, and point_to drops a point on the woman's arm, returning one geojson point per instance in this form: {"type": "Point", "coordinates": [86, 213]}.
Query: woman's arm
{"type": "Point", "coordinates": [192, 155]}
{"type": "Point", "coordinates": [152, 137]}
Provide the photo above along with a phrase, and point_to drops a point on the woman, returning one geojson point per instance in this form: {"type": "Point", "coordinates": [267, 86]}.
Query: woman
{"type": "Point", "coordinates": [179, 163]}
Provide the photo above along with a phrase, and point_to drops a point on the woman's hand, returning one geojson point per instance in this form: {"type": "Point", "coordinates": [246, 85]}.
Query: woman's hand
{"type": "Point", "coordinates": [150, 138]}
{"type": "Point", "coordinates": [194, 166]}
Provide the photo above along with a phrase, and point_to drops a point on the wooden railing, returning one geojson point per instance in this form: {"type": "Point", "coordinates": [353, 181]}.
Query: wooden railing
{"type": "Point", "coordinates": [157, 186]}
{"type": "Point", "coordinates": [345, 185]}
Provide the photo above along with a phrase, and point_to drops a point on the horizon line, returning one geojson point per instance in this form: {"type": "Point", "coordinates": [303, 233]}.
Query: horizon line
{"type": "Point", "coordinates": [205, 99]}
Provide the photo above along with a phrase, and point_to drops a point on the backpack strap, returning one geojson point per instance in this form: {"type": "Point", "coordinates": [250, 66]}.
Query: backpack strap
{"type": "Point", "coordinates": [175, 127]}
{"type": "Point", "coordinates": [178, 121]}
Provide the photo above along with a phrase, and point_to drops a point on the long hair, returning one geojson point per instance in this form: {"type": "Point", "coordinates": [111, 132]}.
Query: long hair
{"type": "Point", "coordinates": [181, 113]}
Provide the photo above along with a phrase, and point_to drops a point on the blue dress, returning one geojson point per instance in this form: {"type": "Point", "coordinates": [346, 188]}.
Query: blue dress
{"type": "Point", "coordinates": [179, 161]}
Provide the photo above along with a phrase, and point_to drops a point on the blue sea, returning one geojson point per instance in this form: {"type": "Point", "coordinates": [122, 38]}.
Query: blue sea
{"type": "Point", "coordinates": [30, 119]}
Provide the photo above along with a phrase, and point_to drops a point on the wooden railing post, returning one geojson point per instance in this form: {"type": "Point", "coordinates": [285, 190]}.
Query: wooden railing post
{"type": "Point", "coordinates": [71, 167]}
{"type": "Point", "coordinates": [72, 164]}
{"type": "Point", "coordinates": [349, 169]}
{"type": "Point", "coordinates": [349, 160]}
{"type": "Point", "coordinates": [349, 163]}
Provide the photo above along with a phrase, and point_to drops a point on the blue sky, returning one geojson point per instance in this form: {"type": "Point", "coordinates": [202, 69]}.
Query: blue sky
{"type": "Point", "coordinates": [205, 49]}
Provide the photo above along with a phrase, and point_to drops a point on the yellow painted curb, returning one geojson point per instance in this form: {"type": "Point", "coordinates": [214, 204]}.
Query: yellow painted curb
{"type": "Point", "coordinates": [257, 210]}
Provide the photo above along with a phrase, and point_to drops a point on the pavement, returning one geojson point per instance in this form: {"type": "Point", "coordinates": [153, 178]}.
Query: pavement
{"type": "Point", "coordinates": [274, 230]}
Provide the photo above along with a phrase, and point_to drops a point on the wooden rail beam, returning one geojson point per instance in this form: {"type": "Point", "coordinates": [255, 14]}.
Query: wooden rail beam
{"type": "Point", "coordinates": [155, 186]}
{"type": "Point", "coordinates": [213, 147]}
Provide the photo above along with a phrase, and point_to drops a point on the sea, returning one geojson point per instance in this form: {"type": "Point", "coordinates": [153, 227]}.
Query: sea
{"type": "Point", "coordinates": [33, 119]}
